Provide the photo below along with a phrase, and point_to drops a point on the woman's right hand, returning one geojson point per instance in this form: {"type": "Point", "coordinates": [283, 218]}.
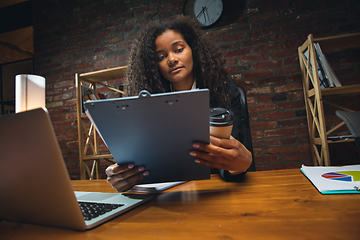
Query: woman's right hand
{"type": "Point", "coordinates": [123, 177]}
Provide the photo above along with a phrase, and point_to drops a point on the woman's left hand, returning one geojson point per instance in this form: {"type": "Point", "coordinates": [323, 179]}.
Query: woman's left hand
{"type": "Point", "coordinates": [226, 154]}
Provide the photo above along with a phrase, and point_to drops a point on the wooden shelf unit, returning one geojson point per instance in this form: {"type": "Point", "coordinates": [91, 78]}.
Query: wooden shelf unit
{"type": "Point", "coordinates": [88, 137]}
{"type": "Point", "coordinates": [313, 93]}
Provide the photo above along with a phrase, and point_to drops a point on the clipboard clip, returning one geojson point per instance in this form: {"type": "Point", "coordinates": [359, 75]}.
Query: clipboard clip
{"type": "Point", "coordinates": [144, 94]}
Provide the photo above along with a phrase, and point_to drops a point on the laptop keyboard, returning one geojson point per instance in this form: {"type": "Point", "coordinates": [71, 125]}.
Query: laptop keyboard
{"type": "Point", "coordinates": [92, 210]}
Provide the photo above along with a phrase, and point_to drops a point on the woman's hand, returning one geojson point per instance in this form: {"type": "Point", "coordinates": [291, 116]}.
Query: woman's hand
{"type": "Point", "coordinates": [226, 154]}
{"type": "Point", "coordinates": [123, 177]}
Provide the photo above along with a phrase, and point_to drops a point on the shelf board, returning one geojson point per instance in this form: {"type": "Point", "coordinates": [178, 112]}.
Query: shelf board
{"type": "Point", "coordinates": [355, 88]}
{"type": "Point", "coordinates": [103, 75]}
{"type": "Point", "coordinates": [339, 42]}
{"type": "Point", "coordinates": [92, 157]}
{"type": "Point", "coordinates": [342, 141]}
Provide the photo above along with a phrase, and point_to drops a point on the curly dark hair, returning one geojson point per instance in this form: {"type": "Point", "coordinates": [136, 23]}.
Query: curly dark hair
{"type": "Point", "coordinates": [208, 68]}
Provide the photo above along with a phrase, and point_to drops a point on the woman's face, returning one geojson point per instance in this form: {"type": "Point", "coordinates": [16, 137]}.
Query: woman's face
{"type": "Point", "coordinates": [175, 60]}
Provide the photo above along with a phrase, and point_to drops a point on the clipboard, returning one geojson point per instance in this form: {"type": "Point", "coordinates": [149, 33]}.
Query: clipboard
{"type": "Point", "coordinates": [156, 131]}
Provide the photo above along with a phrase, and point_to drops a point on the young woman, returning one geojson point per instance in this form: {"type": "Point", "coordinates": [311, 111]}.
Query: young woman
{"type": "Point", "coordinates": [177, 56]}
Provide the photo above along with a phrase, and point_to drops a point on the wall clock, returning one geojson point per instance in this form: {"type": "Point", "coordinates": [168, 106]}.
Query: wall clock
{"type": "Point", "coordinates": [206, 12]}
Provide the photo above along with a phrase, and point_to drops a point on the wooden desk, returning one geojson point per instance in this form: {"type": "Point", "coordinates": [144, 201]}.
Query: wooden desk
{"type": "Point", "coordinates": [279, 204]}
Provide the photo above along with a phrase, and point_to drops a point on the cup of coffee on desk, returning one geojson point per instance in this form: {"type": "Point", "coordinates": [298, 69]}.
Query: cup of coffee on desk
{"type": "Point", "coordinates": [221, 122]}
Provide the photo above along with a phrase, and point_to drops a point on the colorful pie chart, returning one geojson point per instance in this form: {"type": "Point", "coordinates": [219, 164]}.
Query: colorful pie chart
{"type": "Point", "coordinates": [347, 176]}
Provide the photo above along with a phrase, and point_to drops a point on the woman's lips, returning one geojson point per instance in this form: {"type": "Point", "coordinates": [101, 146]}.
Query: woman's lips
{"type": "Point", "coordinates": [175, 70]}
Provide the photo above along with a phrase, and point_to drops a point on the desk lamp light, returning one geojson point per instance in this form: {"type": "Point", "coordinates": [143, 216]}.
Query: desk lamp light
{"type": "Point", "coordinates": [29, 92]}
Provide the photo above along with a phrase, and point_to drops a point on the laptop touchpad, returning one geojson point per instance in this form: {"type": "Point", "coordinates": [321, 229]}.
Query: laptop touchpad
{"type": "Point", "coordinates": [94, 196]}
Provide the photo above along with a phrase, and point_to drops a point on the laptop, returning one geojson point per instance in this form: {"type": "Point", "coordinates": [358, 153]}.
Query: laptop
{"type": "Point", "coordinates": [34, 183]}
{"type": "Point", "coordinates": [156, 131]}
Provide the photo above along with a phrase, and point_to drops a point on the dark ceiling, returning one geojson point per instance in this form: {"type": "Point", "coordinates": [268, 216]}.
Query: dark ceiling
{"type": "Point", "coordinates": [16, 35]}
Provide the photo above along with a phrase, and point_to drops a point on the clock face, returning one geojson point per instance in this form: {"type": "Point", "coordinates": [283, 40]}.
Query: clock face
{"type": "Point", "coordinates": [206, 12]}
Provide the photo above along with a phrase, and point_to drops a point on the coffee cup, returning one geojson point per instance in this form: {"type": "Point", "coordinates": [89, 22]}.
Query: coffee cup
{"type": "Point", "coordinates": [221, 122]}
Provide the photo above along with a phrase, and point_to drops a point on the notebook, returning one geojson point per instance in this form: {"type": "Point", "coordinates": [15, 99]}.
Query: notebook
{"type": "Point", "coordinates": [34, 183]}
{"type": "Point", "coordinates": [156, 131]}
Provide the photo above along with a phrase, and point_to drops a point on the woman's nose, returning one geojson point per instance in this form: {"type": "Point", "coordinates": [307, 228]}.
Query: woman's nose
{"type": "Point", "coordinates": [172, 59]}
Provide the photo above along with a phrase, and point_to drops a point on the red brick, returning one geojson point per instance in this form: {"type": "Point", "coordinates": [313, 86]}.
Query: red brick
{"type": "Point", "coordinates": [105, 62]}
{"type": "Point", "coordinates": [284, 53]}
{"type": "Point", "coordinates": [260, 108]}
{"type": "Point", "coordinates": [296, 104]}
{"type": "Point", "coordinates": [235, 37]}
{"type": "Point", "coordinates": [266, 48]}
{"type": "Point", "coordinates": [253, 58]}
{"type": "Point", "coordinates": [265, 32]}
{"type": "Point", "coordinates": [304, 148]}
{"type": "Point", "coordinates": [262, 125]}
{"type": "Point", "coordinates": [222, 31]}
{"type": "Point", "coordinates": [63, 124]}
{"type": "Point", "coordinates": [64, 84]}
{"type": "Point", "coordinates": [288, 87]}
{"type": "Point", "coordinates": [278, 115]}
{"type": "Point", "coordinates": [267, 142]}
{"type": "Point", "coordinates": [298, 156]}
{"type": "Point", "coordinates": [62, 70]}
{"type": "Point", "coordinates": [272, 81]}
{"type": "Point", "coordinates": [56, 118]}
{"type": "Point", "coordinates": [256, 134]}
{"type": "Point", "coordinates": [266, 159]}
{"type": "Point", "coordinates": [53, 92]}
{"type": "Point", "coordinates": [279, 132]}
{"type": "Point", "coordinates": [287, 69]}
{"type": "Point", "coordinates": [295, 139]}
{"type": "Point", "coordinates": [236, 53]}
{"type": "Point", "coordinates": [257, 151]}
{"type": "Point", "coordinates": [54, 104]}
{"type": "Point", "coordinates": [278, 150]}
{"type": "Point", "coordinates": [267, 64]}
{"type": "Point", "coordinates": [265, 16]}
{"type": "Point", "coordinates": [258, 90]}
{"type": "Point", "coordinates": [63, 96]}
{"type": "Point", "coordinates": [83, 66]}
{"type": "Point", "coordinates": [264, 99]}
{"type": "Point", "coordinates": [144, 11]}
{"type": "Point", "coordinates": [257, 74]}
{"type": "Point", "coordinates": [65, 138]}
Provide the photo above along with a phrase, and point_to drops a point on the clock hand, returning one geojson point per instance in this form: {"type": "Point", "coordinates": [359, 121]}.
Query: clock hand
{"type": "Point", "coordinates": [207, 13]}
{"type": "Point", "coordinates": [201, 12]}
{"type": "Point", "coordinates": [205, 10]}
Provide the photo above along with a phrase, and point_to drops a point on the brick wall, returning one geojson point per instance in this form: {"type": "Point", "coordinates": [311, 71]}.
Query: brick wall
{"type": "Point", "coordinates": [259, 39]}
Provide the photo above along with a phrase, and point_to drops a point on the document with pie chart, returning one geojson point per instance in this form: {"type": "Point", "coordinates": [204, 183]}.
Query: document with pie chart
{"type": "Point", "coordinates": [334, 180]}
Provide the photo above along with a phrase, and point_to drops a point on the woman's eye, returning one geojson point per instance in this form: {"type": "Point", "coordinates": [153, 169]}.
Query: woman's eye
{"type": "Point", "coordinates": [160, 58]}
{"type": "Point", "coordinates": [179, 50]}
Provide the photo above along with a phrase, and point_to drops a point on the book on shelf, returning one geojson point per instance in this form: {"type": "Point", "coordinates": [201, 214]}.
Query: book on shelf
{"type": "Point", "coordinates": [327, 76]}
{"type": "Point", "coordinates": [339, 138]}
{"type": "Point", "coordinates": [89, 94]}
{"type": "Point", "coordinates": [323, 80]}
{"type": "Point", "coordinates": [334, 180]}
{"type": "Point", "coordinates": [327, 69]}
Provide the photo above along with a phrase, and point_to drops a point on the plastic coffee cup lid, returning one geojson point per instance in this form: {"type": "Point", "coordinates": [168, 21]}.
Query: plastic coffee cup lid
{"type": "Point", "coordinates": [221, 117]}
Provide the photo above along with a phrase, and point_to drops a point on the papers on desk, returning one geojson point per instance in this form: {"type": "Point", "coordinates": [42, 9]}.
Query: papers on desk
{"type": "Point", "coordinates": [334, 180]}
{"type": "Point", "coordinates": [154, 187]}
